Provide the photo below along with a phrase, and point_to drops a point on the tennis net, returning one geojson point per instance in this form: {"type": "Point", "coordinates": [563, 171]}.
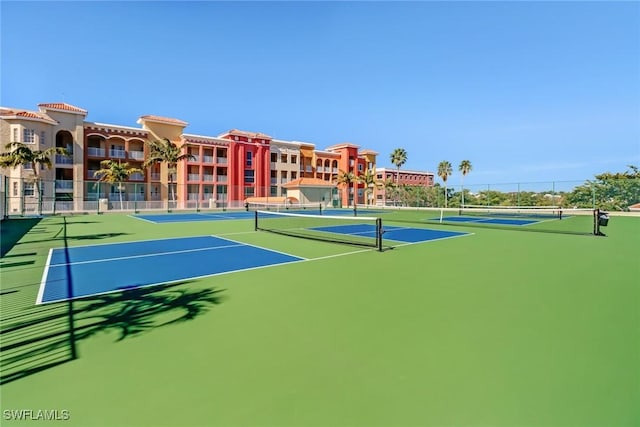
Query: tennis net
{"type": "Point", "coordinates": [285, 207]}
{"type": "Point", "coordinates": [359, 231]}
{"type": "Point", "coordinates": [536, 219]}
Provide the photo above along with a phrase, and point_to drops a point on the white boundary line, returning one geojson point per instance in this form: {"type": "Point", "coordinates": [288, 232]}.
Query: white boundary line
{"type": "Point", "coordinates": [43, 281]}
{"type": "Point", "coordinates": [172, 281]}
{"type": "Point", "coordinates": [264, 249]}
{"type": "Point", "coordinates": [93, 261]}
{"type": "Point", "coordinates": [299, 260]}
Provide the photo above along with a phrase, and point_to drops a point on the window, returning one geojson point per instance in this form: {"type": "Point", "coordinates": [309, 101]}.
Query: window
{"type": "Point", "coordinates": [248, 191]}
{"type": "Point", "coordinates": [294, 175]}
{"type": "Point", "coordinates": [28, 166]}
{"type": "Point", "coordinates": [274, 190]}
{"type": "Point", "coordinates": [29, 189]}
{"type": "Point", "coordinates": [274, 157]}
{"type": "Point", "coordinates": [360, 167]}
{"type": "Point", "coordinates": [379, 176]}
{"type": "Point", "coordinates": [43, 137]}
{"type": "Point", "coordinates": [283, 158]}
{"type": "Point", "coordinates": [15, 189]}
{"type": "Point", "coordinates": [28, 136]}
{"type": "Point", "coordinates": [249, 177]}
{"type": "Point", "coordinates": [14, 135]}
{"type": "Point", "coordinates": [294, 159]}
{"type": "Point", "coordinates": [249, 158]}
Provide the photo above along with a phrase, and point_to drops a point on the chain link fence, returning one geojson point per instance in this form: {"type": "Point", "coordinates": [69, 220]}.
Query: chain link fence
{"type": "Point", "coordinates": [22, 196]}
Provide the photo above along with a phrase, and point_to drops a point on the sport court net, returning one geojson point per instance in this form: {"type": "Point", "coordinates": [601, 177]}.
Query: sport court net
{"type": "Point", "coordinates": [359, 231]}
{"type": "Point", "coordinates": [521, 218]}
{"type": "Point", "coordinates": [312, 208]}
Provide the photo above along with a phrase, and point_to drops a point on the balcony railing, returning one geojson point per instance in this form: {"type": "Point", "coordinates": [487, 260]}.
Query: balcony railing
{"type": "Point", "coordinates": [91, 173]}
{"type": "Point", "coordinates": [221, 160]}
{"type": "Point", "coordinates": [95, 152]}
{"type": "Point", "coordinates": [62, 159]}
{"type": "Point", "coordinates": [193, 196]}
{"type": "Point", "coordinates": [207, 159]}
{"type": "Point", "coordinates": [155, 177]}
{"type": "Point", "coordinates": [208, 178]}
{"type": "Point", "coordinates": [118, 154]}
{"type": "Point", "coordinates": [137, 176]}
{"type": "Point", "coordinates": [320, 169]}
{"type": "Point", "coordinates": [195, 158]}
{"type": "Point", "coordinates": [64, 184]}
{"type": "Point", "coordinates": [194, 177]}
{"type": "Point", "coordinates": [136, 155]}
{"type": "Point", "coordinates": [221, 178]}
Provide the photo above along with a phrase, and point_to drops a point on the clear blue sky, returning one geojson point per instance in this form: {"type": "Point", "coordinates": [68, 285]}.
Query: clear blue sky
{"type": "Point", "coordinates": [527, 91]}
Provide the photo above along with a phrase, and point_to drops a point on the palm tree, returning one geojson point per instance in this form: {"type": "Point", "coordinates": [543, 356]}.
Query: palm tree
{"type": "Point", "coordinates": [21, 155]}
{"type": "Point", "coordinates": [166, 151]}
{"type": "Point", "coordinates": [399, 158]}
{"type": "Point", "coordinates": [114, 172]}
{"type": "Point", "coordinates": [444, 171]}
{"type": "Point", "coordinates": [389, 187]}
{"type": "Point", "coordinates": [368, 178]}
{"type": "Point", "coordinates": [465, 167]}
{"type": "Point", "coordinates": [346, 179]}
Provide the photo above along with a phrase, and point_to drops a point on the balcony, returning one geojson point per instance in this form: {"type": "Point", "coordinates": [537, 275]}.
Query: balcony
{"type": "Point", "coordinates": [221, 160]}
{"type": "Point", "coordinates": [319, 169]}
{"type": "Point", "coordinates": [62, 159]}
{"type": "Point", "coordinates": [207, 178]}
{"type": "Point", "coordinates": [91, 173]}
{"type": "Point", "coordinates": [136, 155]}
{"type": "Point", "coordinates": [117, 153]}
{"type": "Point", "coordinates": [63, 184]}
{"type": "Point", "coordinates": [207, 159]}
{"type": "Point", "coordinates": [195, 158]}
{"type": "Point", "coordinates": [95, 152]}
{"type": "Point", "coordinates": [155, 177]}
{"type": "Point", "coordinates": [193, 196]}
{"type": "Point", "coordinates": [222, 178]}
{"type": "Point", "coordinates": [136, 176]}
{"type": "Point", "coordinates": [274, 180]}
{"type": "Point", "coordinates": [193, 177]}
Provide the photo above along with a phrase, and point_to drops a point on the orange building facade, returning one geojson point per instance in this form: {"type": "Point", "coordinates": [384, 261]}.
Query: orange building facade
{"type": "Point", "coordinates": [221, 171]}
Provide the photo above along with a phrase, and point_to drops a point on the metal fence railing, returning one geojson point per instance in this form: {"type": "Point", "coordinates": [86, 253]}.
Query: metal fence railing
{"type": "Point", "coordinates": [25, 196]}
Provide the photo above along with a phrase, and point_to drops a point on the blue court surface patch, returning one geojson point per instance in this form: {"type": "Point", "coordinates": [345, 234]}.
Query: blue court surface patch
{"type": "Point", "coordinates": [190, 217]}
{"type": "Point", "coordinates": [91, 270]}
{"type": "Point", "coordinates": [502, 221]}
{"type": "Point", "coordinates": [399, 234]}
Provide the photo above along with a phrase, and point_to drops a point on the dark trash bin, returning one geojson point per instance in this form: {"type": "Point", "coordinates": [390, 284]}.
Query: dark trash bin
{"type": "Point", "coordinates": [603, 219]}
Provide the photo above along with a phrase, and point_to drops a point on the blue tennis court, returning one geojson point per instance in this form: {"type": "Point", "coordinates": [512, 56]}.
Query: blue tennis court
{"type": "Point", "coordinates": [228, 215]}
{"type": "Point", "coordinates": [482, 220]}
{"type": "Point", "coordinates": [91, 270]}
{"type": "Point", "coordinates": [398, 234]}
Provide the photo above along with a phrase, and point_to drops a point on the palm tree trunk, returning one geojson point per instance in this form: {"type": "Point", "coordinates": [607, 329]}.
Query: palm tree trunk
{"type": "Point", "coordinates": [462, 182]}
{"type": "Point", "coordinates": [445, 194]}
{"type": "Point", "coordinates": [120, 194]}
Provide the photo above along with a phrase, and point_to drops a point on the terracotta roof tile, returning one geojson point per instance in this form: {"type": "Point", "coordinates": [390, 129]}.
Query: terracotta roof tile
{"type": "Point", "coordinates": [5, 112]}
{"type": "Point", "coordinates": [308, 182]}
{"type": "Point", "coordinates": [248, 134]}
{"type": "Point", "coordinates": [63, 106]}
{"type": "Point", "coordinates": [161, 119]}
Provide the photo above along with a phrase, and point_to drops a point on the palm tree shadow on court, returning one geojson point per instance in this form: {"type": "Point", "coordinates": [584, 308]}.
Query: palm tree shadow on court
{"type": "Point", "coordinates": [36, 338]}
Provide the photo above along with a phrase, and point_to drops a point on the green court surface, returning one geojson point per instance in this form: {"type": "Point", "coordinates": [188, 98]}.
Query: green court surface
{"type": "Point", "coordinates": [497, 328]}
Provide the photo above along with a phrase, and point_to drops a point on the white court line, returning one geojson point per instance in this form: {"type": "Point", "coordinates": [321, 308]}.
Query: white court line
{"type": "Point", "coordinates": [264, 249]}
{"type": "Point", "coordinates": [172, 281]}
{"type": "Point", "coordinates": [43, 282]}
{"type": "Point", "coordinates": [142, 219]}
{"type": "Point", "coordinates": [93, 261]}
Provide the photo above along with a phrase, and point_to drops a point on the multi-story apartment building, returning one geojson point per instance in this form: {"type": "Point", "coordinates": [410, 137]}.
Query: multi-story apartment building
{"type": "Point", "coordinates": [221, 170]}
{"type": "Point", "coordinates": [407, 177]}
